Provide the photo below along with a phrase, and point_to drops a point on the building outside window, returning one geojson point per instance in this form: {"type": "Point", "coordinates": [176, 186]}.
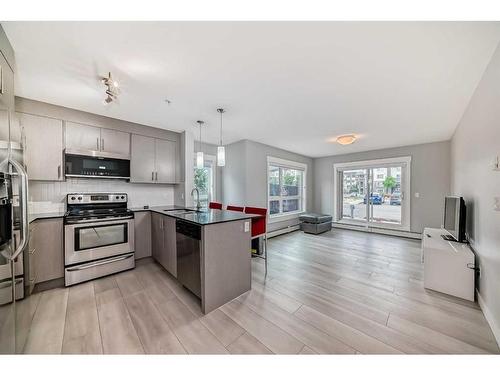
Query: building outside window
{"type": "Point", "coordinates": [286, 187]}
{"type": "Point", "coordinates": [204, 180]}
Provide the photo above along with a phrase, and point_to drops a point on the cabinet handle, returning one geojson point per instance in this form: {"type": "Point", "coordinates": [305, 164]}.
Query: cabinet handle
{"type": "Point", "coordinates": [156, 176]}
{"type": "Point", "coordinates": [102, 144]}
{"type": "Point", "coordinates": [97, 140]}
{"type": "Point", "coordinates": [58, 171]}
{"type": "Point", "coordinates": [152, 176]}
{"type": "Point", "coordinates": [1, 80]}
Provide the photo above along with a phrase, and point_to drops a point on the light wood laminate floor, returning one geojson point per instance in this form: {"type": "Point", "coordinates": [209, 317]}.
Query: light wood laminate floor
{"type": "Point", "coordinates": [341, 292]}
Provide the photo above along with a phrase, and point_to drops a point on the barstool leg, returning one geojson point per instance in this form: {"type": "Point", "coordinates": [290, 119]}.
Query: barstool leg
{"type": "Point", "coordinates": [265, 250]}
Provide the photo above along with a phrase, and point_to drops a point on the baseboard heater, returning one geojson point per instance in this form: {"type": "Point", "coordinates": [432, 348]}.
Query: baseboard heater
{"type": "Point", "coordinates": [278, 232]}
{"type": "Point", "coordinates": [391, 232]}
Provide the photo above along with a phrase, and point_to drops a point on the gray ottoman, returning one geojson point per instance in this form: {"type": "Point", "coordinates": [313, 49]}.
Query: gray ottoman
{"type": "Point", "coordinates": [315, 223]}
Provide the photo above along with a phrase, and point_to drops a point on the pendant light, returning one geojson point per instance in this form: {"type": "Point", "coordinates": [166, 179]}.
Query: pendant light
{"type": "Point", "coordinates": [199, 155]}
{"type": "Point", "coordinates": [221, 151]}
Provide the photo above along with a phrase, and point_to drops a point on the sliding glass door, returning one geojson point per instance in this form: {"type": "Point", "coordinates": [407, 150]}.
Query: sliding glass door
{"type": "Point", "coordinates": [372, 193]}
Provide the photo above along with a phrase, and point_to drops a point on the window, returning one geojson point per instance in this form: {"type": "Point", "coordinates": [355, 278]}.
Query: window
{"type": "Point", "coordinates": [373, 193]}
{"type": "Point", "coordinates": [204, 180]}
{"type": "Point", "coordinates": [286, 187]}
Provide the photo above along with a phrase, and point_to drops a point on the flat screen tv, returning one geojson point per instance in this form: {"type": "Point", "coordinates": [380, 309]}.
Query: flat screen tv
{"type": "Point", "coordinates": [454, 219]}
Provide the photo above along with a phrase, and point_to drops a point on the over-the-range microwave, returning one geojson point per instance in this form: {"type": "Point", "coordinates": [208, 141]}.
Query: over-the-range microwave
{"type": "Point", "coordinates": [96, 167]}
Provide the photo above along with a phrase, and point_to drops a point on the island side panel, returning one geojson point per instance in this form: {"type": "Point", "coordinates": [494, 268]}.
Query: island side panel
{"type": "Point", "coordinates": [226, 264]}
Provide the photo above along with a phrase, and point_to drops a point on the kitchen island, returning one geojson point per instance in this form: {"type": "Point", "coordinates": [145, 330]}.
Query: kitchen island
{"type": "Point", "coordinates": [208, 251]}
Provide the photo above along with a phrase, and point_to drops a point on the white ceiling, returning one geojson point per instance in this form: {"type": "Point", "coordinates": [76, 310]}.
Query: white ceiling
{"type": "Point", "coordinates": [293, 85]}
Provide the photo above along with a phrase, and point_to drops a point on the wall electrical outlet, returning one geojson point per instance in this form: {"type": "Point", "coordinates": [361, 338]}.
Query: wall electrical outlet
{"type": "Point", "coordinates": [417, 195]}
{"type": "Point", "coordinates": [496, 204]}
{"type": "Point", "coordinates": [247, 226]}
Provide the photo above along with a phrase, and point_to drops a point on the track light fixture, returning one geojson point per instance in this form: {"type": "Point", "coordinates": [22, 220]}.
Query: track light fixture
{"type": "Point", "coordinates": [111, 89]}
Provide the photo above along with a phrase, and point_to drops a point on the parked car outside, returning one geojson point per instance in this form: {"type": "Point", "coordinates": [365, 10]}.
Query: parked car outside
{"type": "Point", "coordinates": [375, 198]}
{"type": "Point", "coordinates": [395, 199]}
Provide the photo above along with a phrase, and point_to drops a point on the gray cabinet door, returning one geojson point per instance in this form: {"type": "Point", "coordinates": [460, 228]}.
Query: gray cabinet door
{"type": "Point", "coordinates": [115, 142]}
{"type": "Point", "coordinates": [6, 84]}
{"type": "Point", "coordinates": [44, 147]}
{"type": "Point", "coordinates": [166, 155]}
{"type": "Point", "coordinates": [169, 245]}
{"type": "Point", "coordinates": [81, 137]}
{"type": "Point", "coordinates": [48, 249]}
{"type": "Point", "coordinates": [142, 159]}
{"type": "Point", "coordinates": [143, 234]}
{"type": "Point", "coordinates": [157, 236]}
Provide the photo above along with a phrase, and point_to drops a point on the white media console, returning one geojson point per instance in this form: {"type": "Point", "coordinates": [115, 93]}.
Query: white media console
{"type": "Point", "coordinates": [448, 265]}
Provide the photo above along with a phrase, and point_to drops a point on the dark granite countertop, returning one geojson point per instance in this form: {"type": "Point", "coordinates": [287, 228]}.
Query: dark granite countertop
{"type": "Point", "coordinates": [202, 217]}
{"type": "Point", "coordinates": [45, 215]}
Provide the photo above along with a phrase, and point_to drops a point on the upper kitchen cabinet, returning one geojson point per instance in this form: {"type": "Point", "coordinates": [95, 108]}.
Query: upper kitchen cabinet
{"type": "Point", "coordinates": [153, 160]}
{"type": "Point", "coordinates": [87, 139]}
{"type": "Point", "coordinates": [115, 142]}
{"type": "Point", "coordinates": [44, 147]}
{"type": "Point", "coordinates": [6, 84]}
{"type": "Point", "coordinates": [166, 160]}
{"type": "Point", "coordinates": [82, 138]}
{"type": "Point", "coordinates": [142, 161]}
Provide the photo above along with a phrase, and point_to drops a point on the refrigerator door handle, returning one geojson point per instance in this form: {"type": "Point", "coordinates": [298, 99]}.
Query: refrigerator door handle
{"type": "Point", "coordinates": [24, 207]}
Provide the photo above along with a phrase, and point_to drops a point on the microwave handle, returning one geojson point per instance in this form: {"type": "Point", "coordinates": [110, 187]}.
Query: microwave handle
{"type": "Point", "coordinates": [23, 202]}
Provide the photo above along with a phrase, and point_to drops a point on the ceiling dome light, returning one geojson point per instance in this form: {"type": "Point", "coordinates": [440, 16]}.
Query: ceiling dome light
{"type": "Point", "coordinates": [347, 139]}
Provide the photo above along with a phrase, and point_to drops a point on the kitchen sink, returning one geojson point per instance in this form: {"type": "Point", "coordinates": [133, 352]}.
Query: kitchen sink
{"type": "Point", "coordinates": [180, 211]}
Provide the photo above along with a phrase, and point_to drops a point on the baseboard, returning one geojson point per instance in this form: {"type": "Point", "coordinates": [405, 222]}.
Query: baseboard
{"type": "Point", "coordinates": [494, 325]}
{"type": "Point", "coordinates": [279, 232]}
{"type": "Point", "coordinates": [397, 233]}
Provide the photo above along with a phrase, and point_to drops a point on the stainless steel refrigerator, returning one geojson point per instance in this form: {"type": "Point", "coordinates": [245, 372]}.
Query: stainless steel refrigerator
{"type": "Point", "coordinates": [14, 231]}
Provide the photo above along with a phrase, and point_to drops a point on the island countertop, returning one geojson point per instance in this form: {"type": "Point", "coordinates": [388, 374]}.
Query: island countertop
{"type": "Point", "coordinates": [205, 216]}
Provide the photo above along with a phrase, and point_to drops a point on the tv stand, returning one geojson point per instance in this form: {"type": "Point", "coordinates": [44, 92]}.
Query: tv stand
{"type": "Point", "coordinates": [448, 265]}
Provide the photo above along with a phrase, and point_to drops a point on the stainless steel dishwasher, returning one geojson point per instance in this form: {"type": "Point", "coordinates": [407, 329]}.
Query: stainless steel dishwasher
{"type": "Point", "coordinates": [188, 239]}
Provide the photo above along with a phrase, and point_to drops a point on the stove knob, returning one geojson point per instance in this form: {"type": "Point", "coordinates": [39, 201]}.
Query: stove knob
{"type": "Point", "coordinates": [122, 197]}
{"type": "Point", "coordinates": [73, 198]}
{"type": "Point", "coordinates": [79, 198]}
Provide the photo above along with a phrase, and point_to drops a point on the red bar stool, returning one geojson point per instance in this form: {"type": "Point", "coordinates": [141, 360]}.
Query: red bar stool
{"type": "Point", "coordinates": [235, 208]}
{"type": "Point", "coordinates": [259, 227]}
{"type": "Point", "coordinates": [215, 205]}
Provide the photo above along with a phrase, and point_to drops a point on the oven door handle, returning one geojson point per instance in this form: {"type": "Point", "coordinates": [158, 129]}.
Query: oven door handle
{"type": "Point", "coordinates": [99, 263]}
{"type": "Point", "coordinates": [88, 223]}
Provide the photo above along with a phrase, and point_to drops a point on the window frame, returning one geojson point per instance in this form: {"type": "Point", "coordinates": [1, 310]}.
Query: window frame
{"type": "Point", "coordinates": [374, 163]}
{"type": "Point", "coordinates": [286, 164]}
{"type": "Point", "coordinates": [213, 160]}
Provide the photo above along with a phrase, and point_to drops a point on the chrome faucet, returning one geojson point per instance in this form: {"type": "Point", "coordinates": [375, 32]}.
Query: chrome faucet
{"type": "Point", "coordinates": [198, 205]}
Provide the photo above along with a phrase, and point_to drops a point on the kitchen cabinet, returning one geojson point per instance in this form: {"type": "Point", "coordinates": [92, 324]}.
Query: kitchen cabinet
{"type": "Point", "coordinates": [115, 142]}
{"type": "Point", "coordinates": [6, 84]}
{"type": "Point", "coordinates": [153, 160]}
{"type": "Point", "coordinates": [143, 235]}
{"type": "Point", "coordinates": [166, 152]}
{"type": "Point", "coordinates": [142, 161]}
{"type": "Point", "coordinates": [104, 142]}
{"type": "Point", "coordinates": [82, 138]}
{"type": "Point", "coordinates": [46, 247]}
{"type": "Point", "coordinates": [169, 245]}
{"type": "Point", "coordinates": [44, 147]}
{"type": "Point", "coordinates": [164, 247]}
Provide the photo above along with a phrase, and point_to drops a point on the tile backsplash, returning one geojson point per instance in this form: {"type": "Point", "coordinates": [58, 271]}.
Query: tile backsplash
{"type": "Point", "coordinates": [49, 196]}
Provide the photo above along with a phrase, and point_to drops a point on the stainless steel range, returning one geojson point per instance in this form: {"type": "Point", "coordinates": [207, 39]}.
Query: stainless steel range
{"type": "Point", "coordinates": [98, 236]}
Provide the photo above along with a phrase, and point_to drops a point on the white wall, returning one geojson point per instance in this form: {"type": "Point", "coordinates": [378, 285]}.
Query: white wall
{"type": "Point", "coordinates": [475, 144]}
{"type": "Point", "coordinates": [430, 177]}
{"type": "Point", "coordinates": [49, 196]}
{"type": "Point", "coordinates": [245, 176]}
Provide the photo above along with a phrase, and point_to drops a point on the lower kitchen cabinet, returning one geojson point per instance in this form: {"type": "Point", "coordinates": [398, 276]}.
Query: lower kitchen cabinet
{"type": "Point", "coordinates": [164, 249]}
{"type": "Point", "coordinates": [46, 250]}
{"type": "Point", "coordinates": [142, 224]}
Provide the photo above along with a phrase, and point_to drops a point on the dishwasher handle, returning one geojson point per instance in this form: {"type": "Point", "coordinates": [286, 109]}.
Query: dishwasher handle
{"type": "Point", "coordinates": [188, 229]}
